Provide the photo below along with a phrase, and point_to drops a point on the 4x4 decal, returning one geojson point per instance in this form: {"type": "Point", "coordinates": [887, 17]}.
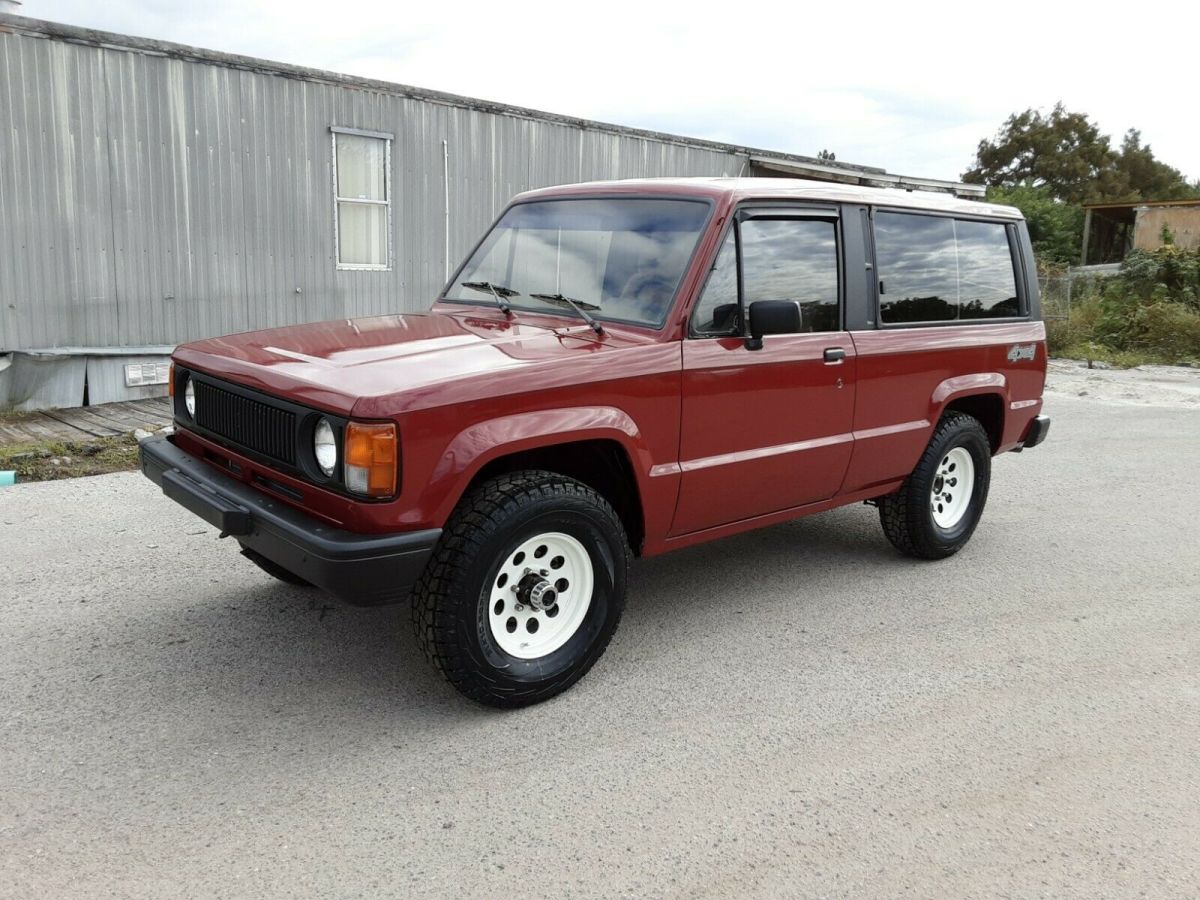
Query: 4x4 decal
{"type": "Point", "coordinates": [1018, 352]}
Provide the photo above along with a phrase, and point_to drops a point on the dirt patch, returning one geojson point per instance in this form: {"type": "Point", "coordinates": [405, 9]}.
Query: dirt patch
{"type": "Point", "coordinates": [52, 460]}
{"type": "Point", "coordinates": [1176, 387]}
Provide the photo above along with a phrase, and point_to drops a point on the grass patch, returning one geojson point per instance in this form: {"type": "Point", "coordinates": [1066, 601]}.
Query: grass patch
{"type": "Point", "coordinates": [1118, 359]}
{"type": "Point", "coordinates": [51, 460]}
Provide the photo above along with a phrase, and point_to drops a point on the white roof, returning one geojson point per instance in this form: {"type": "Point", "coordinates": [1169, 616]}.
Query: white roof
{"type": "Point", "coordinates": [791, 189]}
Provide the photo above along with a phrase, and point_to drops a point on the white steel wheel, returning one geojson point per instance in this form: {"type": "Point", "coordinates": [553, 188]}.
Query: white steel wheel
{"type": "Point", "coordinates": [540, 595]}
{"type": "Point", "coordinates": [953, 486]}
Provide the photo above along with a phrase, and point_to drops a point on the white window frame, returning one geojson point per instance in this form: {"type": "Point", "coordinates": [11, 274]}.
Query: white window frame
{"type": "Point", "coordinates": [386, 202]}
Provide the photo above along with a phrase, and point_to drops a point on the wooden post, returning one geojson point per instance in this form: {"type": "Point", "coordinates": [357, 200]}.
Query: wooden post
{"type": "Point", "coordinates": [1087, 233]}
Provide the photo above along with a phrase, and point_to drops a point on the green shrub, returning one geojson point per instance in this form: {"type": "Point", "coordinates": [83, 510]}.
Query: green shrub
{"type": "Point", "coordinates": [1055, 228]}
{"type": "Point", "coordinates": [1168, 274]}
{"type": "Point", "coordinates": [1167, 330]}
{"type": "Point", "coordinates": [1150, 312]}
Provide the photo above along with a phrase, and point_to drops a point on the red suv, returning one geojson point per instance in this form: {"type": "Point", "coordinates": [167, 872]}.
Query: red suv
{"type": "Point", "coordinates": [619, 369]}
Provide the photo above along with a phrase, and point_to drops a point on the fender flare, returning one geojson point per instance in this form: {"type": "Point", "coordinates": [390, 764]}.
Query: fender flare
{"type": "Point", "coordinates": [976, 384]}
{"type": "Point", "coordinates": [967, 386]}
{"type": "Point", "coordinates": [483, 442]}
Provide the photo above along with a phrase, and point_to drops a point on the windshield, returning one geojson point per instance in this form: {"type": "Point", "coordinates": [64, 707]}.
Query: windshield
{"type": "Point", "coordinates": [620, 258]}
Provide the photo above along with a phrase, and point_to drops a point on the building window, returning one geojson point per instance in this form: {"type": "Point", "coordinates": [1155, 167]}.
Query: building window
{"type": "Point", "coordinates": [362, 181]}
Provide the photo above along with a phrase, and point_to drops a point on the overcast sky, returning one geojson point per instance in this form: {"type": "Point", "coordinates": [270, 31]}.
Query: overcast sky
{"type": "Point", "coordinates": [909, 87]}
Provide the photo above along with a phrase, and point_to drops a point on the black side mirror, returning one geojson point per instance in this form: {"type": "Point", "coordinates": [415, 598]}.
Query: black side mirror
{"type": "Point", "coordinates": [772, 317]}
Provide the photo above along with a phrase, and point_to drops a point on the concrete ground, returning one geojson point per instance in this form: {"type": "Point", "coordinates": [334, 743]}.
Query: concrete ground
{"type": "Point", "coordinates": [797, 711]}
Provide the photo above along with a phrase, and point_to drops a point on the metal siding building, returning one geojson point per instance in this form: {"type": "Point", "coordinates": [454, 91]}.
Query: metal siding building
{"type": "Point", "coordinates": [152, 193]}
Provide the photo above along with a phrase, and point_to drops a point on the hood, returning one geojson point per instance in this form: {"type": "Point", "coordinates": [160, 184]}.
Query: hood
{"type": "Point", "coordinates": [398, 362]}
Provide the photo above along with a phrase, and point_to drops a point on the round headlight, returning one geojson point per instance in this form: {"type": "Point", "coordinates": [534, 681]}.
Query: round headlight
{"type": "Point", "coordinates": [325, 447]}
{"type": "Point", "coordinates": [189, 398]}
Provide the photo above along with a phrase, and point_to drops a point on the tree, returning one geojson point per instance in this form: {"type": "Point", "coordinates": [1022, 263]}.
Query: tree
{"type": "Point", "coordinates": [1055, 228]}
{"type": "Point", "coordinates": [1063, 152]}
{"type": "Point", "coordinates": [1048, 165]}
{"type": "Point", "coordinates": [1147, 177]}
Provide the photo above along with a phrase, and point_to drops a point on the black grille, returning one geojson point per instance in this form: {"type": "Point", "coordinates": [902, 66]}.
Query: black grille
{"type": "Point", "coordinates": [249, 423]}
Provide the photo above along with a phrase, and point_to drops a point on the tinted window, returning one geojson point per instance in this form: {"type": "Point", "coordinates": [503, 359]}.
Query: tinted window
{"type": "Point", "coordinates": [937, 269]}
{"type": "Point", "coordinates": [793, 259]}
{"type": "Point", "coordinates": [624, 256]}
{"type": "Point", "coordinates": [782, 259]}
{"type": "Point", "coordinates": [987, 282]}
{"type": "Point", "coordinates": [918, 268]}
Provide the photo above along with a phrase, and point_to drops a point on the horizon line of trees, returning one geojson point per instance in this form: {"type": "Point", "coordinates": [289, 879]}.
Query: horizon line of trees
{"type": "Point", "coordinates": [1049, 164]}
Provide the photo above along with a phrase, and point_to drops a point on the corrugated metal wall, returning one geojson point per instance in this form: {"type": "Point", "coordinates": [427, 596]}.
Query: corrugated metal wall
{"type": "Point", "coordinates": [150, 200]}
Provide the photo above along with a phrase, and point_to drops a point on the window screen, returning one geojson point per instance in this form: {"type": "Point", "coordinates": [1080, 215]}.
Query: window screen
{"type": "Point", "coordinates": [362, 201]}
{"type": "Point", "coordinates": [938, 269]}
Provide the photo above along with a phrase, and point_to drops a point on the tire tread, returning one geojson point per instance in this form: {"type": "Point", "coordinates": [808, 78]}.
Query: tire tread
{"type": "Point", "coordinates": [900, 513]}
{"type": "Point", "coordinates": [480, 514]}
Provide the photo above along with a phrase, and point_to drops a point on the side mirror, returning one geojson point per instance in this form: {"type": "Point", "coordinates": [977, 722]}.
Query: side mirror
{"type": "Point", "coordinates": [772, 317]}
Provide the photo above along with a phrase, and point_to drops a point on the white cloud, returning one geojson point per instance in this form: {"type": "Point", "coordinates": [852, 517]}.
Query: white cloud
{"type": "Point", "coordinates": [912, 89]}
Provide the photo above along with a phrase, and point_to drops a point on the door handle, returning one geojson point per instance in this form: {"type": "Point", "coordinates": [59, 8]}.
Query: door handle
{"type": "Point", "coordinates": [834, 354]}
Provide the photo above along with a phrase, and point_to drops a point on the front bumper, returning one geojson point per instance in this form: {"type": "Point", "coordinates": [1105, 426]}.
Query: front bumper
{"type": "Point", "coordinates": [364, 569]}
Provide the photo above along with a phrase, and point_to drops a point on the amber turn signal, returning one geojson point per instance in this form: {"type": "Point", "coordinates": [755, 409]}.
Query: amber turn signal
{"type": "Point", "coordinates": [171, 381]}
{"type": "Point", "coordinates": [371, 459]}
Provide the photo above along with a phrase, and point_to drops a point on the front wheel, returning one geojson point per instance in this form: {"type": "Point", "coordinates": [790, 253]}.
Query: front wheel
{"type": "Point", "coordinates": [935, 512]}
{"type": "Point", "coordinates": [524, 590]}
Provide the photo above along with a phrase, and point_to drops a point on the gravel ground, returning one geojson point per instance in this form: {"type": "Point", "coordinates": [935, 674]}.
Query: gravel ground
{"type": "Point", "coordinates": [1170, 387]}
{"type": "Point", "coordinates": [795, 711]}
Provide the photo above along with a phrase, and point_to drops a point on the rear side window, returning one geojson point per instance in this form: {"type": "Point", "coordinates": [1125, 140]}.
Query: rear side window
{"type": "Point", "coordinates": [939, 269]}
{"type": "Point", "coordinates": [987, 282]}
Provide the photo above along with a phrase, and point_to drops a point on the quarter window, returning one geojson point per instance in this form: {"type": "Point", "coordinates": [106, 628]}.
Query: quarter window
{"type": "Point", "coordinates": [987, 282]}
{"type": "Point", "coordinates": [362, 199]}
{"type": "Point", "coordinates": [717, 311]}
{"type": "Point", "coordinates": [939, 269]}
{"type": "Point", "coordinates": [782, 259]}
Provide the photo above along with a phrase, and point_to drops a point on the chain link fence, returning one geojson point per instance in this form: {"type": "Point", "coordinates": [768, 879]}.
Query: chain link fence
{"type": "Point", "coordinates": [1056, 296]}
{"type": "Point", "coordinates": [1063, 291]}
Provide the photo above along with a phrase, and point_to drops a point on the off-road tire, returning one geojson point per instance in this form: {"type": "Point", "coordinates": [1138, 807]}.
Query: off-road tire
{"type": "Point", "coordinates": [450, 600]}
{"type": "Point", "coordinates": [906, 515]}
{"type": "Point", "coordinates": [274, 569]}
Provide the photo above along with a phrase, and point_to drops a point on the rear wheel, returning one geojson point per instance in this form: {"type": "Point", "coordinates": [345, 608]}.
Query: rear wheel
{"type": "Point", "coordinates": [935, 512]}
{"type": "Point", "coordinates": [524, 590]}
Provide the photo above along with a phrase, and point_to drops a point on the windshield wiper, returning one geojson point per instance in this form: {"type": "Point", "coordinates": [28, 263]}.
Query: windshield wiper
{"type": "Point", "coordinates": [499, 291]}
{"type": "Point", "coordinates": [578, 305]}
